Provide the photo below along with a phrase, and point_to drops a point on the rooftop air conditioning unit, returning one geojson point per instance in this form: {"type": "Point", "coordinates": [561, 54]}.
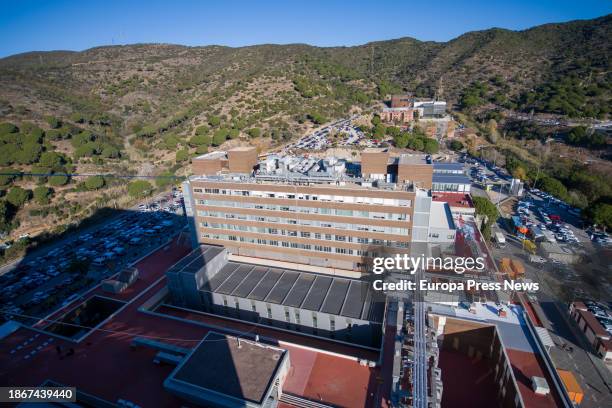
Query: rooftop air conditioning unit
{"type": "Point", "coordinates": [540, 385]}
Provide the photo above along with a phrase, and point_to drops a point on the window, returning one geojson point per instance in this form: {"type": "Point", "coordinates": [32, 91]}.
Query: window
{"type": "Point", "coordinates": [296, 315]}
{"type": "Point", "coordinates": [287, 316]}
{"type": "Point", "coordinates": [314, 321]}
{"type": "Point", "coordinates": [332, 324]}
{"type": "Point", "coordinates": [253, 307]}
{"type": "Point", "coordinates": [269, 310]}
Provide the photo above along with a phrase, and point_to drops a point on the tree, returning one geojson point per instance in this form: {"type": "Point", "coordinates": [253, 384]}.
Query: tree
{"type": "Point", "coordinates": [487, 209]}
{"type": "Point", "coordinates": [219, 137]}
{"type": "Point", "coordinates": [376, 120]}
{"type": "Point", "coordinates": [7, 127]}
{"type": "Point", "coordinates": [201, 130]}
{"type": "Point", "coordinates": [29, 153]}
{"type": "Point", "coordinates": [34, 137]}
{"type": "Point", "coordinates": [6, 214]}
{"type": "Point", "coordinates": [53, 122]}
{"type": "Point", "coordinates": [317, 118]}
{"type": "Point", "coordinates": [492, 133]}
{"type": "Point", "coordinates": [42, 195]}
{"type": "Point", "coordinates": [77, 117]}
{"type": "Point", "coordinates": [416, 143]}
{"type": "Point", "coordinates": [94, 182]}
{"type": "Point", "coordinates": [140, 188]}
{"type": "Point", "coordinates": [84, 151]}
{"type": "Point", "coordinates": [182, 155]}
{"type": "Point", "coordinates": [54, 134]}
{"type": "Point", "coordinates": [8, 175]}
{"type": "Point", "coordinates": [431, 146]}
{"type": "Point", "coordinates": [554, 187]}
{"type": "Point", "coordinates": [17, 196]}
{"type": "Point", "coordinates": [200, 140]}
{"type": "Point", "coordinates": [58, 180]}
{"type": "Point", "coordinates": [51, 159]}
{"type": "Point", "coordinates": [601, 214]}
{"type": "Point", "coordinates": [520, 173]}
{"type": "Point", "coordinates": [214, 121]}
{"type": "Point", "coordinates": [456, 145]}
{"type": "Point", "coordinates": [233, 133]}
{"type": "Point", "coordinates": [82, 138]}
{"type": "Point", "coordinates": [401, 140]}
{"type": "Point", "coordinates": [254, 132]}
{"type": "Point", "coordinates": [110, 152]}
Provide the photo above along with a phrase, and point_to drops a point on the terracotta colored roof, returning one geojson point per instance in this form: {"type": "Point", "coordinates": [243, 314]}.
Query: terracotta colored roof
{"type": "Point", "coordinates": [454, 199]}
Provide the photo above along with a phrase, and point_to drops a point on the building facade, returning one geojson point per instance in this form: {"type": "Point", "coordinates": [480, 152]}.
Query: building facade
{"type": "Point", "coordinates": [316, 304]}
{"type": "Point", "coordinates": [327, 213]}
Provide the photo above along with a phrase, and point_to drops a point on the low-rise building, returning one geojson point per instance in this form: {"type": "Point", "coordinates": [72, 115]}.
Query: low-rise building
{"type": "Point", "coordinates": [403, 109]}
{"type": "Point", "coordinates": [592, 328]}
{"type": "Point", "coordinates": [226, 371]}
{"type": "Point", "coordinates": [316, 304]}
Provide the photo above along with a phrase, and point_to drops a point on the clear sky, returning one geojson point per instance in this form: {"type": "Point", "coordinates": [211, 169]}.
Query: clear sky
{"type": "Point", "coordinates": [41, 25]}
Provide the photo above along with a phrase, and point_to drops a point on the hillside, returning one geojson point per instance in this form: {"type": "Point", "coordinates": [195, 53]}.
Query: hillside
{"type": "Point", "coordinates": [147, 108]}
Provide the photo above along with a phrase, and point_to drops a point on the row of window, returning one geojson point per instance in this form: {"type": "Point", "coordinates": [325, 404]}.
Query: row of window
{"type": "Point", "coordinates": [450, 187]}
{"type": "Point", "coordinates": [308, 210]}
{"type": "Point", "coordinates": [296, 315]}
{"type": "Point", "coordinates": [293, 245]}
{"type": "Point", "coordinates": [307, 197]}
{"type": "Point", "coordinates": [304, 234]}
{"type": "Point", "coordinates": [310, 223]}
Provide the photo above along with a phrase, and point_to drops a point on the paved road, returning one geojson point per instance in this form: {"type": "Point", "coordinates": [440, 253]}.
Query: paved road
{"type": "Point", "coordinates": [592, 374]}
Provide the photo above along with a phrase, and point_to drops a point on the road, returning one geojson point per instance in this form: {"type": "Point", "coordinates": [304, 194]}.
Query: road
{"type": "Point", "coordinates": [572, 351]}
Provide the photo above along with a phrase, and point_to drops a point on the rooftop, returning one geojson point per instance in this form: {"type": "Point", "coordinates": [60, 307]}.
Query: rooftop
{"type": "Point", "coordinates": [451, 178]}
{"type": "Point", "coordinates": [448, 166]}
{"type": "Point", "coordinates": [414, 159]}
{"type": "Point", "coordinates": [328, 294]}
{"type": "Point", "coordinates": [518, 343]}
{"type": "Point", "coordinates": [196, 260]}
{"type": "Point", "coordinates": [454, 199]}
{"type": "Point", "coordinates": [213, 155]}
{"type": "Point", "coordinates": [440, 216]}
{"type": "Point", "coordinates": [235, 367]}
{"type": "Point", "coordinates": [114, 370]}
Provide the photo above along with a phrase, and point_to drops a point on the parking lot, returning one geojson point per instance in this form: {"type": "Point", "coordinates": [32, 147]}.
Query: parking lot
{"type": "Point", "coordinates": [44, 280]}
{"type": "Point", "coordinates": [338, 134]}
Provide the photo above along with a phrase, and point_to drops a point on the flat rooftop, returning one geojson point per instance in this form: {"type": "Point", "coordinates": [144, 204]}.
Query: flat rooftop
{"type": "Point", "coordinates": [413, 159]}
{"type": "Point", "coordinates": [235, 367]}
{"type": "Point", "coordinates": [518, 343]}
{"type": "Point", "coordinates": [321, 293]}
{"type": "Point", "coordinates": [454, 199]}
{"type": "Point", "coordinates": [454, 166]}
{"type": "Point", "coordinates": [196, 260]}
{"type": "Point", "coordinates": [451, 178]}
{"type": "Point", "coordinates": [212, 155]}
{"type": "Point", "coordinates": [440, 216]}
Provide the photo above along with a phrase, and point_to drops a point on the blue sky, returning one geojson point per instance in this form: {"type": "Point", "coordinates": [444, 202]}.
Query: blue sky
{"type": "Point", "coordinates": [34, 25]}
